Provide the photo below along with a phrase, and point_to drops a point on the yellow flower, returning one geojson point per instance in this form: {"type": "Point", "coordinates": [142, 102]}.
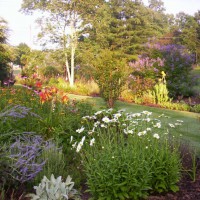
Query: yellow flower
{"type": "Point", "coordinates": [163, 73]}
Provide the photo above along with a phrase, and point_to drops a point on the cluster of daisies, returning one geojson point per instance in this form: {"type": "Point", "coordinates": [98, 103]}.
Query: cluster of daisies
{"type": "Point", "coordinates": [137, 124]}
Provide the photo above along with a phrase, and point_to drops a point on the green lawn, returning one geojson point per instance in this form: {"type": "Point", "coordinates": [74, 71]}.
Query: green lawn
{"type": "Point", "coordinates": [190, 130]}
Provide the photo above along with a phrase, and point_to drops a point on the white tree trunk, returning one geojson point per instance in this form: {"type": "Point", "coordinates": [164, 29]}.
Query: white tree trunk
{"type": "Point", "coordinates": [73, 45]}
{"type": "Point", "coordinates": [68, 75]}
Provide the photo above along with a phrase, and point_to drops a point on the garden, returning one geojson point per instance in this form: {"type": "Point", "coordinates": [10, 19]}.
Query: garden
{"type": "Point", "coordinates": [112, 112]}
{"type": "Point", "coordinates": [60, 145]}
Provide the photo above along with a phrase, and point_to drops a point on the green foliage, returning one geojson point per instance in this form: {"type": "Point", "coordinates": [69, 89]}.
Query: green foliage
{"type": "Point", "coordinates": [81, 87]}
{"type": "Point", "coordinates": [50, 71]}
{"type": "Point", "coordinates": [5, 58]}
{"type": "Point", "coordinates": [177, 66]}
{"type": "Point", "coordinates": [55, 189]}
{"type": "Point", "coordinates": [188, 36]}
{"type": "Point", "coordinates": [5, 167]}
{"type": "Point", "coordinates": [123, 26]}
{"type": "Point", "coordinates": [126, 156]}
{"type": "Point", "coordinates": [110, 72]}
{"type": "Point", "coordinates": [175, 106]}
{"type": "Point", "coordinates": [22, 50]}
{"type": "Point", "coordinates": [145, 72]}
{"type": "Point", "coordinates": [54, 163]}
{"type": "Point", "coordinates": [160, 91]}
{"type": "Point", "coordinates": [50, 119]}
{"type": "Point", "coordinates": [57, 123]}
{"type": "Point", "coordinates": [195, 108]}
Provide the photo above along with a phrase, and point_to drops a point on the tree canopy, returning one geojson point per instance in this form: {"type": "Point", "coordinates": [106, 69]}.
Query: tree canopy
{"type": "Point", "coordinates": [4, 54]}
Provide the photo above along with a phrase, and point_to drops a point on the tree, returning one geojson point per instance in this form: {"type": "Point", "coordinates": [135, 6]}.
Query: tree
{"type": "Point", "coordinates": [124, 26]}
{"type": "Point", "coordinates": [4, 54]}
{"type": "Point", "coordinates": [187, 31]}
{"type": "Point", "coordinates": [60, 25]}
{"type": "Point", "coordinates": [197, 19]}
{"type": "Point", "coordinates": [21, 50]}
{"type": "Point", "coordinates": [156, 5]}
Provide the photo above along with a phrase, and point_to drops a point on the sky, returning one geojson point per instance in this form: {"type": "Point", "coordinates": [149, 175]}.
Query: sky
{"type": "Point", "coordinates": [23, 28]}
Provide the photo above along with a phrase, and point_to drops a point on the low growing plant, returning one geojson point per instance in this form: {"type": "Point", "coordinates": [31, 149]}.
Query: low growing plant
{"type": "Point", "coordinates": [25, 157]}
{"type": "Point", "coordinates": [55, 189]}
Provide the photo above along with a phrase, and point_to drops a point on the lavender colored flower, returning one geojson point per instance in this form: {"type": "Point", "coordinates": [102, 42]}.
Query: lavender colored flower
{"type": "Point", "coordinates": [17, 112]}
{"type": "Point", "coordinates": [25, 156]}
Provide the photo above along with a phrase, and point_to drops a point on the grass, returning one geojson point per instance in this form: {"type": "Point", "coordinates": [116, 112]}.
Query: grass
{"type": "Point", "coordinates": [190, 129]}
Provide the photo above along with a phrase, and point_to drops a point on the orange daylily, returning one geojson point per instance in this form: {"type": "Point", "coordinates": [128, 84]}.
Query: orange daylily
{"type": "Point", "coordinates": [43, 97]}
{"type": "Point", "coordinates": [65, 99]}
{"type": "Point", "coordinates": [54, 90]}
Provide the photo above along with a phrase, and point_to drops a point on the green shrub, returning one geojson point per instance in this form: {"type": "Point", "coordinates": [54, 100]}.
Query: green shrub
{"type": "Point", "coordinates": [195, 108]}
{"type": "Point", "coordinates": [110, 75]}
{"type": "Point", "coordinates": [55, 163]}
{"type": "Point", "coordinates": [50, 71]}
{"type": "Point", "coordinates": [178, 65]}
{"type": "Point", "coordinates": [175, 106]}
{"type": "Point", "coordinates": [127, 156]}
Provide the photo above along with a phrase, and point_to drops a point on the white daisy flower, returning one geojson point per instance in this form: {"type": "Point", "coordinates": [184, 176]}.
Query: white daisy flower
{"type": "Point", "coordinates": [80, 130]}
{"type": "Point", "coordinates": [147, 112]}
{"type": "Point", "coordinates": [98, 112]}
{"type": "Point", "coordinates": [157, 125]}
{"type": "Point", "coordinates": [117, 115]}
{"type": "Point", "coordinates": [92, 141]}
{"type": "Point", "coordinates": [156, 136]}
{"type": "Point", "coordinates": [171, 125]}
{"type": "Point", "coordinates": [148, 129]}
{"type": "Point", "coordinates": [106, 120]}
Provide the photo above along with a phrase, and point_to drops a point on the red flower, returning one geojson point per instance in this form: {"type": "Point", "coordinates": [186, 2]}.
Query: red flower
{"type": "Point", "coordinates": [54, 90]}
{"type": "Point", "coordinates": [43, 97]}
{"type": "Point", "coordinates": [38, 84]}
{"type": "Point", "coordinates": [65, 99]}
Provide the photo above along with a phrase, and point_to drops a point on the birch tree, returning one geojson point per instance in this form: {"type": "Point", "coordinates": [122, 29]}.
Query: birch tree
{"type": "Point", "coordinates": [60, 25]}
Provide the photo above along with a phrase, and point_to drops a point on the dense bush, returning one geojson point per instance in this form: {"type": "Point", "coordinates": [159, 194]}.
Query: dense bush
{"type": "Point", "coordinates": [125, 156]}
{"type": "Point", "coordinates": [178, 65]}
{"type": "Point", "coordinates": [110, 72]}
{"type": "Point", "coordinates": [145, 72]}
{"type": "Point", "coordinates": [50, 71]}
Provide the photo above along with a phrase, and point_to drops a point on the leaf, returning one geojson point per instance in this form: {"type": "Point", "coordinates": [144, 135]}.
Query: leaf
{"type": "Point", "coordinates": [174, 188]}
{"type": "Point", "coordinates": [123, 188]}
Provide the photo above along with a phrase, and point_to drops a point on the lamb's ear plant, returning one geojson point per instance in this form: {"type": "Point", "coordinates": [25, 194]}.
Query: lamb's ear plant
{"type": "Point", "coordinates": [55, 189]}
